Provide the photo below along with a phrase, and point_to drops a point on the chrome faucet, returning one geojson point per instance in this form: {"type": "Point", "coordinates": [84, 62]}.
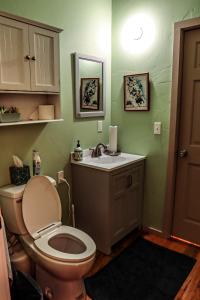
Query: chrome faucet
{"type": "Point", "coordinates": [96, 152]}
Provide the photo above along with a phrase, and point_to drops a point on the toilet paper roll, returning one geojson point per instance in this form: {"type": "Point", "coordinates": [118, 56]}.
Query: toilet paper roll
{"type": "Point", "coordinates": [46, 112]}
{"type": "Point", "coordinates": [113, 138]}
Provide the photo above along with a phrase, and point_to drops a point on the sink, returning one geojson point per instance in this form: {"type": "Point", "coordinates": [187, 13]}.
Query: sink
{"type": "Point", "coordinates": [108, 159]}
{"type": "Point", "coordinates": [106, 162]}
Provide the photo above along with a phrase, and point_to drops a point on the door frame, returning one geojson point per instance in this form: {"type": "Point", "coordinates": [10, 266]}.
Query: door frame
{"type": "Point", "coordinates": [179, 29]}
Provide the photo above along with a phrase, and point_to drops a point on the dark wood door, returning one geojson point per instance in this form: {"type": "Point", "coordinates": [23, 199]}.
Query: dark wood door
{"type": "Point", "coordinates": [186, 222]}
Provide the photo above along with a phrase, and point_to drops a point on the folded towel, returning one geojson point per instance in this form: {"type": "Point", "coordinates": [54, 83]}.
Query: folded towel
{"type": "Point", "coordinates": [10, 275]}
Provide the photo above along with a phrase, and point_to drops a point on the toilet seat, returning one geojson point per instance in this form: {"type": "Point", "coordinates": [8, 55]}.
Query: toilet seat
{"type": "Point", "coordinates": [81, 237]}
{"type": "Point", "coordinates": [41, 210]}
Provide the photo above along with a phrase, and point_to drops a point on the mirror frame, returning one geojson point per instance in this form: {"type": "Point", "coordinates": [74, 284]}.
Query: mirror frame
{"type": "Point", "coordinates": [78, 112]}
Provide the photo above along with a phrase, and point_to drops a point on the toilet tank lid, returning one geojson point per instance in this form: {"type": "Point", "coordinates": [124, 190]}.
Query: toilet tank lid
{"type": "Point", "coordinates": [16, 191]}
{"type": "Point", "coordinates": [12, 191]}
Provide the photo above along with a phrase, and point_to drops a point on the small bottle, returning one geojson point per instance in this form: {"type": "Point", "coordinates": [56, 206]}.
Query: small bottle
{"type": "Point", "coordinates": [36, 163]}
{"type": "Point", "coordinates": [78, 152]}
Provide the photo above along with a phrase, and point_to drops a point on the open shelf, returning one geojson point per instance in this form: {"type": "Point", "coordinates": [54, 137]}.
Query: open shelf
{"type": "Point", "coordinates": [30, 122]}
{"type": "Point", "coordinates": [26, 104]}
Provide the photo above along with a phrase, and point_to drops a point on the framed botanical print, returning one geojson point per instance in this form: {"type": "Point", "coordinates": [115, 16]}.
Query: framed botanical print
{"type": "Point", "coordinates": [136, 92]}
{"type": "Point", "coordinates": [89, 95]}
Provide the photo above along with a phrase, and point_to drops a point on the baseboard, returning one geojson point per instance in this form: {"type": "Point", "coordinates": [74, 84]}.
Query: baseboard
{"type": "Point", "coordinates": [153, 230]}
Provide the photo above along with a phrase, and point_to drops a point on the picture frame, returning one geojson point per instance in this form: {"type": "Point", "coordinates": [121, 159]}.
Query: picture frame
{"type": "Point", "coordinates": [89, 94]}
{"type": "Point", "coordinates": [136, 92]}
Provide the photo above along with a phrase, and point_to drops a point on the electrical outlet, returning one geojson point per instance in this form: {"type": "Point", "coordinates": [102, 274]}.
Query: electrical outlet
{"type": "Point", "coordinates": [157, 128]}
{"type": "Point", "coordinates": [99, 126]}
{"type": "Point", "coordinates": [60, 175]}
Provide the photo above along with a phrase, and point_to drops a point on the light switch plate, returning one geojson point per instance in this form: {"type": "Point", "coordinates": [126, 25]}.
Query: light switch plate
{"type": "Point", "coordinates": [157, 128]}
{"type": "Point", "coordinates": [99, 126]}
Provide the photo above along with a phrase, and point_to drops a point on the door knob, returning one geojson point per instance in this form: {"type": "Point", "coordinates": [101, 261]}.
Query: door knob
{"type": "Point", "coordinates": [182, 153]}
{"type": "Point", "coordinates": [33, 58]}
{"type": "Point", "coordinates": [28, 57]}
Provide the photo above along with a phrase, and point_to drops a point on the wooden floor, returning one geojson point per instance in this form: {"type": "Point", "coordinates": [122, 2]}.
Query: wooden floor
{"type": "Point", "coordinates": [190, 290]}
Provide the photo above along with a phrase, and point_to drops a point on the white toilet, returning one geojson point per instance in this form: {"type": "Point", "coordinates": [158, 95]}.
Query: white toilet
{"type": "Point", "coordinates": [63, 254]}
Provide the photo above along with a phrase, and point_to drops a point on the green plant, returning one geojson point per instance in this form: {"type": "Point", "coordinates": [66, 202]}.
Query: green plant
{"type": "Point", "coordinates": [8, 110]}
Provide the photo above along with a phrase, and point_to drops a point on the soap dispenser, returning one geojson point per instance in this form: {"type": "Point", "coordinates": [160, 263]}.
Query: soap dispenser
{"type": "Point", "coordinates": [78, 152]}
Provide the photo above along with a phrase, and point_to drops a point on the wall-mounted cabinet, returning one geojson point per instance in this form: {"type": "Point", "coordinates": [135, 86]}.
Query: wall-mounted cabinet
{"type": "Point", "coordinates": [29, 65]}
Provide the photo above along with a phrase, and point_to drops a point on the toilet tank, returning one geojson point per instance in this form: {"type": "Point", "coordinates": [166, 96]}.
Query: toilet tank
{"type": "Point", "coordinates": [11, 206]}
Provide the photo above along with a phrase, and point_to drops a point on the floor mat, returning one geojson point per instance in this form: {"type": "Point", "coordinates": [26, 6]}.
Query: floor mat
{"type": "Point", "coordinates": [144, 271]}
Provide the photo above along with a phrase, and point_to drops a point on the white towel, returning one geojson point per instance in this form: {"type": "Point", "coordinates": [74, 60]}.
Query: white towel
{"type": "Point", "coordinates": [10, 275]}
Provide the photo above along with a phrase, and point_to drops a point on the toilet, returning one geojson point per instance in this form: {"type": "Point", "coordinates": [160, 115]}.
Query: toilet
{"type": "Point", "coordinates": [62, 254]}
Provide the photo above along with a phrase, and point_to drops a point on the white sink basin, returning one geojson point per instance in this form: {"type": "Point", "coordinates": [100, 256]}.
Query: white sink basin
{"type": "Point", "coordinates": [108, 159]}
{"type": "Point", "coordinates": [108, 163]}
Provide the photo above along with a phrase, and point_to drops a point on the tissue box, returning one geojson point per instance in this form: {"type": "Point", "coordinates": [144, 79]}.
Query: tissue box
{"type": "Point", "coordinates": [19, 176]}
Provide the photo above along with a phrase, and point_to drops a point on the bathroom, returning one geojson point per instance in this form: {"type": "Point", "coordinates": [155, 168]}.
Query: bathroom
{"type": "Point", "coordinates": [94, 28]}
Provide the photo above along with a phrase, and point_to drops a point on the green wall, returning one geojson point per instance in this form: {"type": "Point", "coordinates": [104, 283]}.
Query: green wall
{"type": "Point", "coordinates": [87, 30]}
{"type": "Point", "coordinates": [136, 128]}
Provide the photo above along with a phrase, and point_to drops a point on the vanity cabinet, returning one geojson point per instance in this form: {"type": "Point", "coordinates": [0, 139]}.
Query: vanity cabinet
{"type": "Point", "coordinates": [29, 65]}
{"type": "Point", "coordinates": [29, 57]}
{"type": "Point", "coordinates": [108, 204]}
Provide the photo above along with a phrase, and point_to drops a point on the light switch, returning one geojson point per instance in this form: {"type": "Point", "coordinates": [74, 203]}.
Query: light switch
{"type": "Point", "coordinates": [99, 126]}
{"type": "Point", "coordinates": [157, 128]}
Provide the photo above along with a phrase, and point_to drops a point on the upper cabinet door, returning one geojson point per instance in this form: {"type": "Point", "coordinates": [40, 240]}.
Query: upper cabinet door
{"type": "Point", "coordinates": [14, 59]}
{"type": "Point", "coordinates": [44, 63]}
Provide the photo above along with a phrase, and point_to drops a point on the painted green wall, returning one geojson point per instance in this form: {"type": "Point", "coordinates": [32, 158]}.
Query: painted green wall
{"type": "Point", "coordinates": [87, 30]}
{"type": "Point", "coordinates": [136, 128]}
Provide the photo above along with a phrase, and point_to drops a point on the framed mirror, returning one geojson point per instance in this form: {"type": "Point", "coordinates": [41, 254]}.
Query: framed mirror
{"type": "Point", "coordinates": [89, 86]}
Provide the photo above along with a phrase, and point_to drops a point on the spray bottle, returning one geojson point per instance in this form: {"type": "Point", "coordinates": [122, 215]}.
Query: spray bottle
{"type": "Point", "coordinates": [36, 163]}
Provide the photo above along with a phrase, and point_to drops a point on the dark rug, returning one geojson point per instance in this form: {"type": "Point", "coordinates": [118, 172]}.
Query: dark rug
{"type": "Point", "coordinates": [144, 271]}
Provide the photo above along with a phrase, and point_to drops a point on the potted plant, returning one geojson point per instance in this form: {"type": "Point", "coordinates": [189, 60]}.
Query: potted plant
{"type": "Point", "coordinates": [9, 114]}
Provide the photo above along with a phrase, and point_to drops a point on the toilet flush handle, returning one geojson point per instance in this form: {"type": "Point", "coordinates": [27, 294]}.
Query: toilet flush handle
{"type": "Point", "coordinates": [48, 293]}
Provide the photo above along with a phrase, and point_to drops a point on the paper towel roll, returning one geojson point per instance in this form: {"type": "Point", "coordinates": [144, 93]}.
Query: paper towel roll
{"type": "Point", "coordinates": [113, 138]}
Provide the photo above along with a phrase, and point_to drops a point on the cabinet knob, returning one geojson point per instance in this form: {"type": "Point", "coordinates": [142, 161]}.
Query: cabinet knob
{"type": "Point", "coordinates": [28, 57]}
{"type": "Point", "coordinates": [33, 58]}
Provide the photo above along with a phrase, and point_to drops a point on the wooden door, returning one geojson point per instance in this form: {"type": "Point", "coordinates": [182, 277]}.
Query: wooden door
{"type": "Point", "coordinates": [44, 45]}
{"type": "Point", "coordinates": [14, 59]}
{"type": "Point", "coordinates": [4, 282]}
{"type": "Point", "coordinates": [186, 222]}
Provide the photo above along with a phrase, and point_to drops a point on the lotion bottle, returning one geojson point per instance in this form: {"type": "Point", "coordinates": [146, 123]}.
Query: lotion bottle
{"type": "Point", "coordinates": [78, 152]}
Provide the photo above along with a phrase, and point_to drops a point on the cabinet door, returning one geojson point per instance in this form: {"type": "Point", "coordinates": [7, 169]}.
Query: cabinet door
{"type": "Point", "coordinates": [118, 205]}
{"type": "Point", "coordinates": [126, 195]}
{"type": "Point", "coordinates": [133, 197]}
{"type": "Point", "coordinates": [14, 62]}
{"type": "Point", "coordinates": [44, 45]}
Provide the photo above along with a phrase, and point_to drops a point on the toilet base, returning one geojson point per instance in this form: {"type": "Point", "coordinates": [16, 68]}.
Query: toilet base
{"type": "Point", "coordinates": [57, 289]}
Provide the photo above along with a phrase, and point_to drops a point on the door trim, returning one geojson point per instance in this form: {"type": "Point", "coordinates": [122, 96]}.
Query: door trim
{"type": "Point", "coordinates": [179, 29]}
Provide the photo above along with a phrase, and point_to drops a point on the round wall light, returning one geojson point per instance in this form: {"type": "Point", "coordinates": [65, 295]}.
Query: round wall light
{"type": "Point", "coordinates": [138, 33]}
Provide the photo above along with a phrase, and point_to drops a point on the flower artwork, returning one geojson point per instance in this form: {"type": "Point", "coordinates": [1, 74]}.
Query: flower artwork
{"type": "Point", "coordinates": [89, 93]}
{"type": "Point", "coordinates": [136, 92]}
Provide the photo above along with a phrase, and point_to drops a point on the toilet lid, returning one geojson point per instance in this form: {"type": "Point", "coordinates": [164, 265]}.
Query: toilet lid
{"type": "Point", "coordinates": [40, 204]}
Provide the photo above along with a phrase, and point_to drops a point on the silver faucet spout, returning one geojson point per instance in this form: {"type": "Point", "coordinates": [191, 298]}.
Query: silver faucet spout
{"type": "Point", "coordinates": [96, 152]}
